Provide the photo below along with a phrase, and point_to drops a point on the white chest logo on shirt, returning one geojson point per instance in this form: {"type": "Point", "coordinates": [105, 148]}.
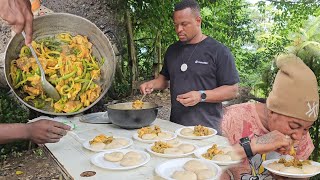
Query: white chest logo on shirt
{"type": "Point", "coordinates": [313, 109]}
{"type": "Point", "coordinates": [201, 62]}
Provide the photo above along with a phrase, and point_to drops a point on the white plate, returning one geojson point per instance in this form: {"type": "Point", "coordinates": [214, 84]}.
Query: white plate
{"type": "Point", "coordinates": [195, 137]}
{"type": "Point", "coordinates": [87, 145]}
{"type": "Point", "coordinates": [198, 153]}
{"type": "Point", "coordinates": [289, 175]}
{"type": "Point", "coordinates": [136, 137]}
{"type": "Point", "coordinates": [166, 169]}
{"type": "Point", "coordinates": [172, 155]}
{"type": "Point", "coordinates": [98, 160]}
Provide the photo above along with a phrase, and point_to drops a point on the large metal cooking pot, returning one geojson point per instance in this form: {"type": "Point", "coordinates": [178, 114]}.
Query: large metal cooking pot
{"type": "Point", "coordinates": [56, 23]}
{"type": "Point", "coordinates": [123, 115]}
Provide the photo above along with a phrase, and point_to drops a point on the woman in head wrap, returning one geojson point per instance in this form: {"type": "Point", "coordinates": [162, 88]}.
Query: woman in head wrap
{"type": "Point", "coordinates": [266, 131]}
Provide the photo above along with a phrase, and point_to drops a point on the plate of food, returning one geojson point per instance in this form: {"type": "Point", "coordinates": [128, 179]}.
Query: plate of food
{"type": "Point", "coordinates": [171, 149]}
{"type": "Point", "coordinates": [105, 143]}
{"type": "Point", "coordinates": [152, 134]}
{"type": "Point", "coordinates": [292, 168]}
{"type": "Point", "coordinates": [196, 132]}
{"type": "Point", "coordinates": [122, 159]}
{"type": "Point", "coordinates": [221, 155]}
{"type": "Point", "coordinates": [188, 168]}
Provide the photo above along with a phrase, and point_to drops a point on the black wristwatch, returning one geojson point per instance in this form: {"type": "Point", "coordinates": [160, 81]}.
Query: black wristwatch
{"type": "Point", "coordinates": [203, 95]}
{"type": "Point", "coordinates": [245, 143]}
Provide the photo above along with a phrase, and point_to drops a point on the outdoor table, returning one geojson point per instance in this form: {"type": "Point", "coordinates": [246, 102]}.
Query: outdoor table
{"type": "Point", "coordinates": [73, 158]}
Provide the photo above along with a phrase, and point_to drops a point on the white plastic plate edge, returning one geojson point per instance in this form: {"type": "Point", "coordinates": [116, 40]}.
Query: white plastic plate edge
{"type": "Point", "coordinates": [289, 175]}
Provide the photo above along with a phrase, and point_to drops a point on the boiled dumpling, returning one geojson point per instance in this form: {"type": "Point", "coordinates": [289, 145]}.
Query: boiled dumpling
{"type": "Point", "coordinates": [174, 151]}
{"type": "Point", "coordinates": [186, 148]}
{"type": "Point", "coordinates": [163, 135]}
{"type": "Point", "coordinates": [205, 174]}
{"type": "Point", "coordinates": [174, 142]}
{"type": "Point", "coordinates": [184, 175]}
{"type": "Point", "coordinates": [114, 156]}
{"type": "Point", "coordinates": [187, 132]}
{"type": "Point", "coordinates": [194, 166]}
{"type": "Point", "coordinates": [131, 159]}
{"type": "Point", "coordinates": [148, 136]}
{"type": "Point", "coordinates": [234, 156]}
{"type": "Point", "coordinates": [310, 169]}
{"type": "Point", "coordinates": [221, 157]}
{"type": "Point", "coordinates": [276, 166]}
{"type": "Point", "coordinates": [292, 170]}
{"type": "Point", "coordinates": [121, 141]}
{"type": "Point", "coordinates": [97, 146]}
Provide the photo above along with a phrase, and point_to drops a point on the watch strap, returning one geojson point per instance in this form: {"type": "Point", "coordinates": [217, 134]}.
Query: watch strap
{"type": "Point", "coordinates": [245, 143]}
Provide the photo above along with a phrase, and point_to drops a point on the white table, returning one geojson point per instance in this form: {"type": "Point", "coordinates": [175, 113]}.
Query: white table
{"type": "Point", "coordinates": [74, 159]}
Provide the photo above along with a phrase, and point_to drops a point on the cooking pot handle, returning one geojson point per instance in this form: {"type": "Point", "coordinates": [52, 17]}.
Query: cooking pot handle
{"type": "Point", "coordinates": [118, 42]}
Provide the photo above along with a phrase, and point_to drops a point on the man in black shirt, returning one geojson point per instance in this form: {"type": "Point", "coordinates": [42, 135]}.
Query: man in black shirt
{"type": "Point", "coordinates": [201, 72]}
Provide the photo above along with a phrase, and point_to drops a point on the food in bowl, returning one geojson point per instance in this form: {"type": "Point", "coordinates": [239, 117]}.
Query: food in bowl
{"type": "Point", "coordinates": [294, 166]}
{"type": "Point", "coordinates": [221, 154]}
{"type": "Point", "coordinates": [137, 104]}
{"type": "Point", "coordinates": [196, 131]}
{"type": "Point", "coordinates": [153, 133]}
{"type": "Point", "coordinates": [69, 66]}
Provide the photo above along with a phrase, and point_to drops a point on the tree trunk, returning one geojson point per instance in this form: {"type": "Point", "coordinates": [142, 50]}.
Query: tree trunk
{"type": "Point", "coordinates": [132, 52]}
{"type": "Point", "coordinates": [158, 55]}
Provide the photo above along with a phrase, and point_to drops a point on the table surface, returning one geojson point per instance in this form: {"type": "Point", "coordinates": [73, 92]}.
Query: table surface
{"type": "Point", "coordinates": [74, 159]}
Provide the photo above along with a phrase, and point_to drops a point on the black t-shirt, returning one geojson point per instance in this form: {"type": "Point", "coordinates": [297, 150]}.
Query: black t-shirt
{"type": "Point", "coordinates": [210, 65]}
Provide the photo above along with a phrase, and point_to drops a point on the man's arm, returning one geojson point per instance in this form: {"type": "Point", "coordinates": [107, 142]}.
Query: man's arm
{"type": "Point", "coordinates": [40, 132]}
{"type": "Point", "coordinates": [12, 132]}
{"type": "Point", "coordinates": [216, 95]}
{"type": "Point", "coordinates": [156, 84]}
{"type": "Point", "coordinates": [222, 93]}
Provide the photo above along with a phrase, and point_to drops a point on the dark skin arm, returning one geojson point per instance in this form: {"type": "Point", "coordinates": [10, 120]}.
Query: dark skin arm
{"type": "Point", "coordinates": [19, 15]}
{"type": "Point", "coordinates": [40, 132]}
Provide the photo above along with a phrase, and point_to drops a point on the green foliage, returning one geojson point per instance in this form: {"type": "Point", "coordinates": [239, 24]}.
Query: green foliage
{"type": "Point", "coordinates": [12, 112]}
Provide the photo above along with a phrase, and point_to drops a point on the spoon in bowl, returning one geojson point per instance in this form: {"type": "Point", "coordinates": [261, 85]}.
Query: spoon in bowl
{"type": "Point", "coordinates": [47, 87]}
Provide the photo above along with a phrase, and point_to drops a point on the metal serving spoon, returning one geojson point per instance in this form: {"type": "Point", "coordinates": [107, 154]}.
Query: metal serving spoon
{"type": "Point", "coordinates": [48, 88]}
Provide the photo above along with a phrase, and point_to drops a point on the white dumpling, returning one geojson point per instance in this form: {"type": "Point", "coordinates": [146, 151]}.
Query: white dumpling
{"type": "Point", "coordinates": [205, 174]}
{"type": "Point", "coordinates": [234, 156]}
{"type": "Point", "coordinates": [310, 169]}
{"type": "Point", "coordinates": [276, 166]}
{"type": "Point", "coordinates": [133, 155]}
{"type": "Point", "coordinates": [184, 175]}
{"type": "Point", "coordinates": [174, 142]}
{"type": "Point", "coordinates": [97, 146]}
{"type": "Point", "coordinates": [121, 141]}
{"type": "Point", "coordinates": [114, 145]}
{"type": "Point", "coordinates": [131, 159]}
{"type": "Point", "coordinates": [114, 156]}
{"type": "Point", "coordinates": [174, 151]}
{"type": "Point", "coordinates": [186, 148]}
{"type": "Point", "coordinates": [187, 132]}
{"type": "Point", "coordinates": [148, 136]}
{"type": "Point", "coordinates": [291, 170]}
{"type": "Point", "coordinates": [163, 136]}
{"type": "Point", "coordinates": [226, 149]}
{"type": "Point", "coordinates": [222, 157]}
{"type": "Point", "coordinates": [194, 166]}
